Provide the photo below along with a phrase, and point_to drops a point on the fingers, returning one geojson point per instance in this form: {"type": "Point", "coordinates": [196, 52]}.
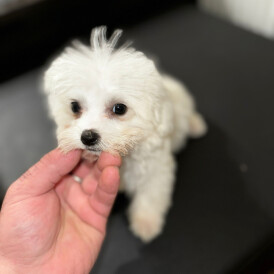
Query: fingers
{"type": "Point", "coordinates": [83, 169]}
{"type": "Point", "coordinates": [89, 184]}
{"type": "Point", "coordinates": [93, 209]}
{"type": "Point", "coordinates": [103, 198]}
{"type": "Point", "coordinates": [92, 200]}
{"type": "Point", "coordinates": [109, 181]}
{"type": "Point", "coordinates": [44, 175]}
{"type": "Point", "coordinates": [107, 159]}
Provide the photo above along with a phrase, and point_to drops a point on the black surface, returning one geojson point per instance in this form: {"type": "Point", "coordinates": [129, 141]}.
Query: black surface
{"type": "Point", "coordinates": [259, 262]}
{"type": "Point", "coordinates": [29, 35]}
{"type": "Point", "coordinates": [223, 211]}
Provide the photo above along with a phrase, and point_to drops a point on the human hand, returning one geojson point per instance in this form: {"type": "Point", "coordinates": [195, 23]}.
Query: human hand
{"type": "Point", "coordinates": [49, 223]}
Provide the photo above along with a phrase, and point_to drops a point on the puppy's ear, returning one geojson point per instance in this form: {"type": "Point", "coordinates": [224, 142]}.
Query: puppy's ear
{"type": "Point", "coordinates": [52, 76]}
{"type": "Point", "coordinates": [164, 119]}
{"type": "Point", "coordinates": [47, 82]}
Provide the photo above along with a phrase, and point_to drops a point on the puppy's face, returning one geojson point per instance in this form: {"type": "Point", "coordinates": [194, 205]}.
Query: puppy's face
{"type": "Point", "coordinates": [102, 99]}
{"type": "Point", "coordinates": [100, 117]}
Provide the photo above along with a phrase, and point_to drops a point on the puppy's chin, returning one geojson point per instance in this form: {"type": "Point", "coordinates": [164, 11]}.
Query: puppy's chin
{"type": "Point", "coordinates": [91, 156]}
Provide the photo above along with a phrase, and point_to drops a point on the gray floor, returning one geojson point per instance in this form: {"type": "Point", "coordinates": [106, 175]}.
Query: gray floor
{"type": "Point", "coordinates": [26, 131]}
{"type": "Point", "coordinates": [223, 203]}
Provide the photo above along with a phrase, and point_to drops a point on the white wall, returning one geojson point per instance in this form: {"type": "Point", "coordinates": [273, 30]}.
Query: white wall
{"type": "Point", "coordinates": [255, 15]}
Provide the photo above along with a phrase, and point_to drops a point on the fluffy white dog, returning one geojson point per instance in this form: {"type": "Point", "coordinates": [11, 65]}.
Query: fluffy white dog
{"type": "Point", "coordinates": [115, 100]}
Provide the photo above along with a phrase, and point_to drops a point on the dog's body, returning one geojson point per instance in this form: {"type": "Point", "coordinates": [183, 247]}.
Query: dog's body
{"type": "Point", "coordinates": [106, 99]}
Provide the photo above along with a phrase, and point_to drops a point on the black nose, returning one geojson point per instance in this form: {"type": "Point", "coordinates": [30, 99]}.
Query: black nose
{"type": "Point", "coordinates": [89, 137]}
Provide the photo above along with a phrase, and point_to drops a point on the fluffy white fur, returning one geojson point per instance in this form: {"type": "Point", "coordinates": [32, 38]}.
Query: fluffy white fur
{"type": "Point", "coordinates": [161, 115]}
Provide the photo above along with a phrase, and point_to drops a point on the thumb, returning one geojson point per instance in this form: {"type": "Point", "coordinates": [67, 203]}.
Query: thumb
{"type": "Point", "coordinates": [45, 174]}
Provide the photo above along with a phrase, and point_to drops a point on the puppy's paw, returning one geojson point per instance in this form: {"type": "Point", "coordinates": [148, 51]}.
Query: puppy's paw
{"type": "Point", "coordinates": [146, 226]}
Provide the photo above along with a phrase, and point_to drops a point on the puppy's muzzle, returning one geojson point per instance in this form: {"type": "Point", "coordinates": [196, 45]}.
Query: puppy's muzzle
{"type": "Point", "coordinates": [90, 137]}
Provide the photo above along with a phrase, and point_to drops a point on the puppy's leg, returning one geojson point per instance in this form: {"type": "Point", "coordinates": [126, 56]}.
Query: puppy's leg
{"type": "Point", "coordinates": [187, 121]}
{"type": "Point", "coordinates": [152, 196]}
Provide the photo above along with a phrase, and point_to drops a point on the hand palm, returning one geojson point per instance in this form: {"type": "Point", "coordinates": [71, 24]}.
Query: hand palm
{"type": "Point", "coordinates": [62, 229]}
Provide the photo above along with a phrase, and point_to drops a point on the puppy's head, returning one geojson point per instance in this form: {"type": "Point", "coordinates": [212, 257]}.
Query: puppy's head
{"type": "Point", "coordinates": [102, 98]}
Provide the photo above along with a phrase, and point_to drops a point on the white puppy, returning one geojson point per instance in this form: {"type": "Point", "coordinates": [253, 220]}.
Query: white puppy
{"type": "Point", "coordinates": [115, 100]}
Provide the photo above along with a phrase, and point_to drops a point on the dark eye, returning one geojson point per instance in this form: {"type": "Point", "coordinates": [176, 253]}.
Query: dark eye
{"type": "Point", "coordinates": [75, 107]}
{"type": "Point", "coordinates": [119, 109]}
